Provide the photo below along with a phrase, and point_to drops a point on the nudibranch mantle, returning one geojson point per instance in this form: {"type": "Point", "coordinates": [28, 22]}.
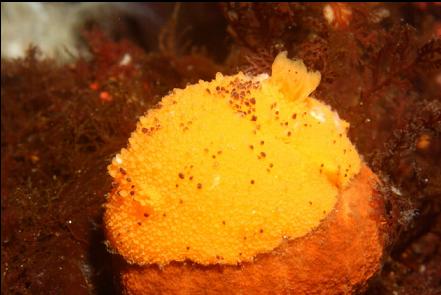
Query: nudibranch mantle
{"type": "Point", "coordinates": [222, 171]}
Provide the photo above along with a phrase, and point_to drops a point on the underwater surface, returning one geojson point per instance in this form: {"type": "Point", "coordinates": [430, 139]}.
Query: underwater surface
{"type": "Point", "coordinates": [70, 103]}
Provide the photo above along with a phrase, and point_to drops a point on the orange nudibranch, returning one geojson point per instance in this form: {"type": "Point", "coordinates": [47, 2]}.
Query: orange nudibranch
{"type": "Point", "coordinates": [224, 170]}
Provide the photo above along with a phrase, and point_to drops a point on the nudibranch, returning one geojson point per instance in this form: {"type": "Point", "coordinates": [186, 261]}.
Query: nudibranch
{"type": "Point", "coordinates": [239, 170]}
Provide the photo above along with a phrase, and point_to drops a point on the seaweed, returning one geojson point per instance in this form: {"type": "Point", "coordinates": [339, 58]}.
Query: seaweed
{"type": "Point", "coordinates": [411, 166]}
{"type": "Point", "coordinates": [61, 125]}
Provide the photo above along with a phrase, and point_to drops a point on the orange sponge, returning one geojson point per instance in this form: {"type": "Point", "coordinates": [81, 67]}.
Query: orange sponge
{"type": "Point", "coordinates": [338, 257]}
